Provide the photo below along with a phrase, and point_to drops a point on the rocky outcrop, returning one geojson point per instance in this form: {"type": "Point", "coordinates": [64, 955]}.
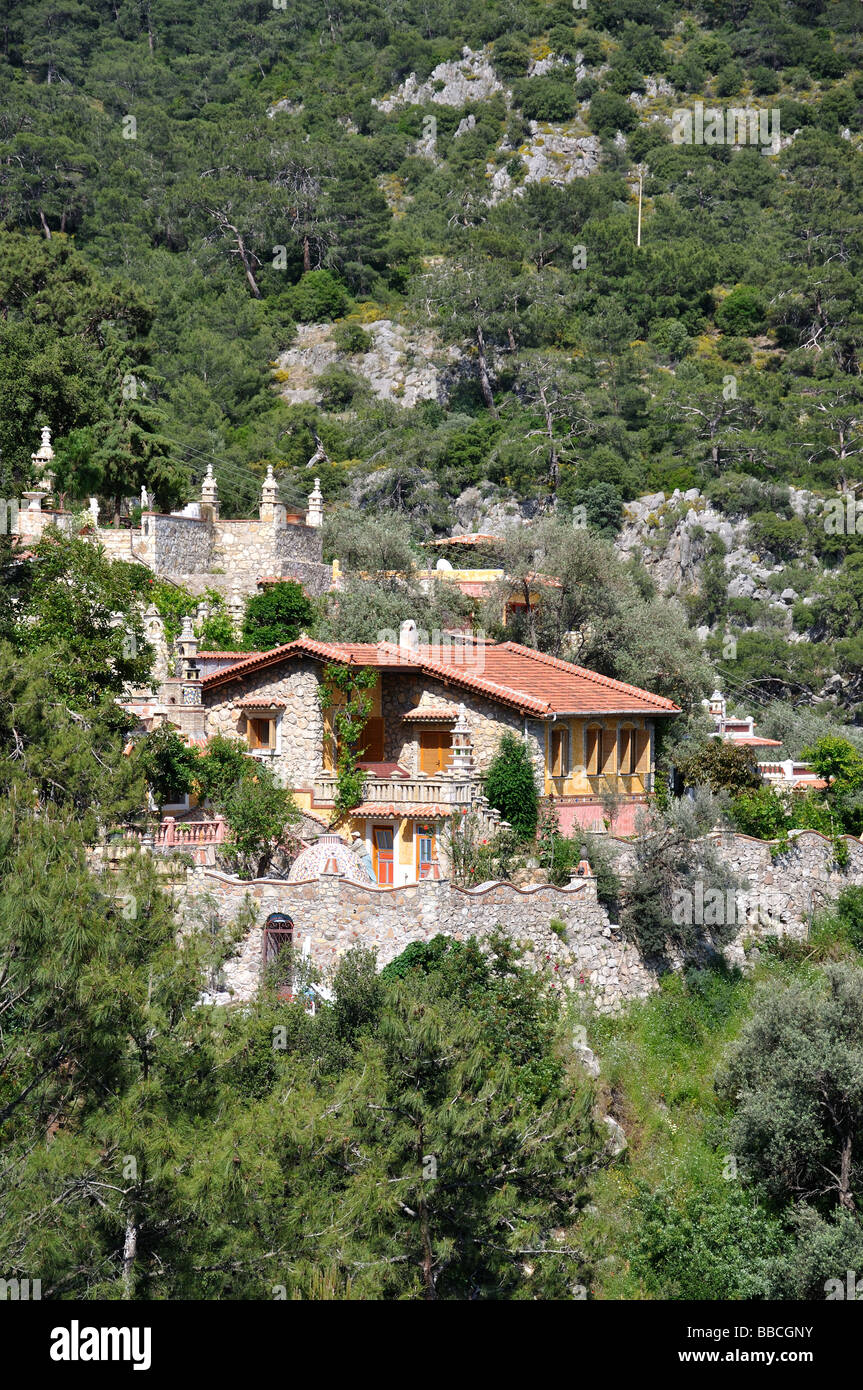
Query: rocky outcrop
{"type": "Point", "coordinates": [402, 365]}
{"type": "Point", "coordinates": [671, 536]}
{"type": "Point", "coordinates": [555, 153]}
{"type": "Point", "coordinates": [466, 79]}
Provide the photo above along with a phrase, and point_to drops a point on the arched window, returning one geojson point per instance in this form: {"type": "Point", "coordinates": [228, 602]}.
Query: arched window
{"type": "Point", "coordinates": [278, 936]}
{"type": "Point", "coordinates": [592, 752]}
{"type": "Point", "coordinates": [628, 760]}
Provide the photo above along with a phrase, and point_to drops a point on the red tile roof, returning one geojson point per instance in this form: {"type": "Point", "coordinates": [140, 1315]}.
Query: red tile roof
{"type": "Point", "coordinates": [221, 656]}
{"type": "Point", "coordinates": [505, 672]}
{"type": "Point", "coordinates": [431, 714]}
{"type": "Point", "coordinates": [260, 702]}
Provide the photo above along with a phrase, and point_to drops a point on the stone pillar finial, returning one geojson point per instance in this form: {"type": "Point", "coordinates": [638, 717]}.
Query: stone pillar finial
{"type": "Point", "coordinates": [187, 644]}
{"type": "Point", "coordinates": [269, 496]}
{"type": "Point", "coordinates": [210, 495]}
{"type": "Point", "coordinates": [315, 512]}
{"type": "Point", "coordinates": [235, 607]}
{"type": "Point", "coordinates": [42, 460]}
{"type": "Point", "coordinates": [462, 745]}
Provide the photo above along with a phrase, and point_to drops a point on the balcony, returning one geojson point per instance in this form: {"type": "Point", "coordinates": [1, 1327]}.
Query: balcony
{"type": "Point", "coordinates": [444, 789]}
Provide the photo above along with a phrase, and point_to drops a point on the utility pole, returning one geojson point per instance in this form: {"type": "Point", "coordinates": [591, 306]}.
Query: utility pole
{"type": "Point", "coordinates": [640, 191]}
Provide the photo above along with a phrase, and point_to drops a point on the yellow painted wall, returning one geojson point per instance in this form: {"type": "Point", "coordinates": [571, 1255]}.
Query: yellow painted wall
{"type": "Point", "coordinates": [577, 782]}
{"type": "Point", "coordinates": [406, 842]}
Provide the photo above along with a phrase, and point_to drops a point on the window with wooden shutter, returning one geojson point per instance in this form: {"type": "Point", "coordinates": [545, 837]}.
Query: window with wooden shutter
{"type": "Point", "coordinates": [592, 751]}
{"type": "Point", "coordinates": [435, 750]}
{"type": "Point", "coordinates": [609, 752]}
{"type": "Point", "coordinates": [261, 733]}
{"type": "Point", "coordinates": [559, 752]}
{"type": "Point", "coordinates": [371, 742]}
{"type": "Point", "coordinates": [642, 742]}
{"type": "Point", "coordinates": [628, 737]}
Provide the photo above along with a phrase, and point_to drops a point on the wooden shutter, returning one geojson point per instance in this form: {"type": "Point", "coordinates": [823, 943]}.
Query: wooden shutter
{"type": "Point", "coordinates": [627, 750]}
{"type": "Point", "coordinates": [593, 736]}
{"type": "Point", "coordinates": [435, 750]}
{"type": "Point", "coordinates": [559, 752]}
{"type": "Point", "coordinates": [642, 739]}
{"type": "Point", "coordinates": [371, 741]}
{"type": "Point", "coordinates": [609, 752]}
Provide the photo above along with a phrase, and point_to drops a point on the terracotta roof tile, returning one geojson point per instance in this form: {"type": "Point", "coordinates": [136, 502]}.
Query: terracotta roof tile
{"type": "Point", "coordinates": [505, 672]}
{"type": "Point", "coordinates": [406, 810]}
{"type": "Point", "coordinates": [431, 714]}
{"type": "Point", "coordinates": [260, 702]}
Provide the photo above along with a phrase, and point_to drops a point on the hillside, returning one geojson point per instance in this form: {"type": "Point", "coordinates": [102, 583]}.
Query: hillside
{"type": "Point", "coordinates": [414, 240]}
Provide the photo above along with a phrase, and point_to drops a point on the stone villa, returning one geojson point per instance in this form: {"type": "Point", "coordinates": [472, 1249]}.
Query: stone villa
{"type": "Point", "coordinates": [438, 715]}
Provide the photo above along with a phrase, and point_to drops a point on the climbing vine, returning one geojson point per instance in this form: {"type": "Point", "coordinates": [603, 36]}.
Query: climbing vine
{"type": "Point", "coordinates": [345, 696]}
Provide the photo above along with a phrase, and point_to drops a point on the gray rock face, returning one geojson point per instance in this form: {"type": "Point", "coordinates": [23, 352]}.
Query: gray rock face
{"type": "Point", "coordinates": [470, 78]}
{"type": "Point", "coordinates": [671, 536]}
{"type": "Point", "coordinates": [588, 1059]}
{"type": "Point", "coordinates": [616, 1142]}
{"type": "Point", "coordinates": [401, 365]}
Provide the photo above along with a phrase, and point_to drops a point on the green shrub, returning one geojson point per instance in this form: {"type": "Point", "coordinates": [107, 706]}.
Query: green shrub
{"type": "Point", "coordinates": [317, 298]}
{"type": "Point", "coordinates": [764, 81]}
{"type": "Point", "coordinates": [783, 539]}
{"type": "Point", "coordinates": [545, 99]}
{"type": "Point", "coordinates": [760, 813]}
{"type": "Point", "coordinates": [729, 80]}
{"type": "Point", "coordinates": [610, 112]}
{"type": "Point", "coordinates": [742, 312]}
{"type": "Point", "coordinates": [276, 616]}
{"type": "Point", "coordinates": [736, 350]}
{"type": "Point", "coordinates": [338, 387]}
{"type": "Point", "coordinates": [510, 786]}
{"type": "Point", "coordinates": [510, 57]}
{"type": "Point", "coordinates": [352, 338]}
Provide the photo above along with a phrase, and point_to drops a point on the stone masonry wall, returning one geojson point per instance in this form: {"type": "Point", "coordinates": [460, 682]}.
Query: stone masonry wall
{"type": "Point", "coordinates": [592, 956]}
{"type": "Point", "coordinates": [488, 722]}
{"type": "Point", "coordinates": [302, 735]}
{"type": "Point", "coordinates": [225, 555]}
{"type": "Point", "coordinates": [337, 915]}
{"type": "Point", "coordinates": [795, 884]}
{"type": "Point", "coordinates": [183, 545]}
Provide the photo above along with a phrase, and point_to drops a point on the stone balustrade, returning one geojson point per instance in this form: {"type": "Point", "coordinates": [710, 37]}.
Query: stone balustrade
{"type": "Point", "coordinates": [444, 790]}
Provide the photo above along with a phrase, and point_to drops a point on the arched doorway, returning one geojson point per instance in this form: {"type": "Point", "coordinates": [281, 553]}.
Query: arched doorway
{"type": "Point", "coordinates": [277, 963]}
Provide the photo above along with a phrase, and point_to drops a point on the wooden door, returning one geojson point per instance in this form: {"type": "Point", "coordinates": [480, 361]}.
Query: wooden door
{"type": "Point", "coordinates": [371, 743]}
{"type": "Point", "coordinates": [435, 750]}
{"type": "Point", "coordinates": [384, 863]}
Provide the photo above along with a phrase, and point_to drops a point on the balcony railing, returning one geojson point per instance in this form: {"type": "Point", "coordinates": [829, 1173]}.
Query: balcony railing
{"type": "Point", "coordinates": [423, 791]}
{"type": "Point", "coordinates": [173, 834]}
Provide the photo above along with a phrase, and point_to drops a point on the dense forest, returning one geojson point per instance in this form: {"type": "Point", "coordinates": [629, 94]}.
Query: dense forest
{"type": "Point", "coordinates": [186, 189]}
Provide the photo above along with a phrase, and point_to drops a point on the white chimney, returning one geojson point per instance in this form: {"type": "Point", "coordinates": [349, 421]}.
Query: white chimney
{"type": "Point", "coordinates": [408, 637]}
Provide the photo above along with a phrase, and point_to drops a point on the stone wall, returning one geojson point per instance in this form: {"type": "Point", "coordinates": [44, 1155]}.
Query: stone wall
{"type": "Point", "coordinates": [803, 880]}
{"type": "Point", "coordinates": [589, 956]}
{"type": "Point", "coordinates": [182, 544]}
{"type": "Point", "coordinates": [337, 915]}
{"type": "Point", "coordinates": [488, 722]}
{"type": "Point", "coordinates": [302, 727]}
{"type": "Point", "coordinates": [230, 556]}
